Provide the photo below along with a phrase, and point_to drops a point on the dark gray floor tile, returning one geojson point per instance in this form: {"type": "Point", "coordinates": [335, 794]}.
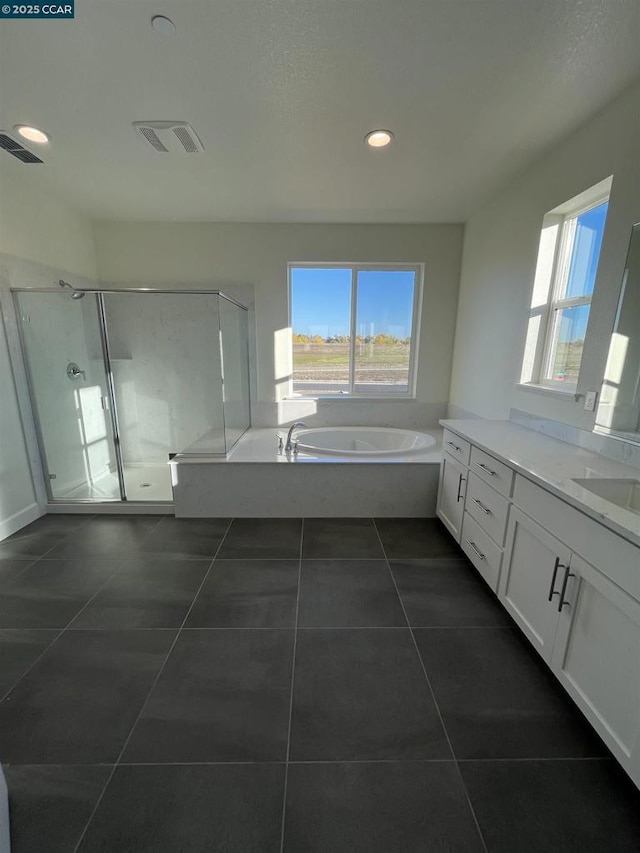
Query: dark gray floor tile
{"type": "Point", "coordinates": [11, 568]}
{"type": "Point", "coordinates": [446, 593]}
{"type": "Point", "coordinates": [107, 536]}
{"type": "Point", "coordinates": [406, 807]}
{"type": "Point", "coordinates": [50, 805]}
{"type": "Point", "coordinates": [340, 538]}
{"type": "Point", "coordinates": [79, 702]}
{"type": "Point", "coordinates": [262, 538]}
{"type": "Point", "coordinates": [362, 694]}
{"type": "Point", "coordinates": [348, 594]}
{"type": "Point", "coordinates": [405, 538]}
{"type": "Point", "coordinates": [146, 592]}
{"type": "Point", "coordinates": [222, 696]}
{"type": "Point", "coordinates": [18, 650]}
{"type": "Point", "coordinates": [247, 594]}
{"type": "Point", "coordinates": [497, 700]}
{"type": "Point", "coordinates": [24, 545]}
{"type": "Point", "coordinates": [195, 809]}
{"type": "Point", "coordinates": [51, 592]}
{"type": "Point", "coordinates": [567, 806]}
{"type": "Point", "coordinates": [186, 537]}
{"type": "Point", "coordinates": [59, 524]}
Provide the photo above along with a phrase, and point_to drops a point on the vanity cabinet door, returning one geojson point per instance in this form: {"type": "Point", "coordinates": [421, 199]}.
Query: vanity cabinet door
{"type": "Point", "coordinates": [532, 574]}
{"type": "Point", "coordinates": [451, 491]}
{"type": "Point", "coordinates": [597, 658]}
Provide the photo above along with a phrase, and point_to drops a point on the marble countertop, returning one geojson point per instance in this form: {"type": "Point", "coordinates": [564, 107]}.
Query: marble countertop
{"type": "Point", "coordinates": [554, 465]}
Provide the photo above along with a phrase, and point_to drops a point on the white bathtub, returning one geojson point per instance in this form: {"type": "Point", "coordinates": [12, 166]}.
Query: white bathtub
{"type": "Point", "coordinates": [361, 441]}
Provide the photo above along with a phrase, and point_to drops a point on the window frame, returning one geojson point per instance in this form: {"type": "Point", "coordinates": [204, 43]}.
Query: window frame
{"type": "Point", "coordinates": [562, 219]}
{"type": "Point", "coordinates": [355, 268]}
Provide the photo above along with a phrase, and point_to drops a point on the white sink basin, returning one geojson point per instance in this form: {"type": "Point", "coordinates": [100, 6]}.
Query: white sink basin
{"type": "Point", "coordinates": [621, 492]}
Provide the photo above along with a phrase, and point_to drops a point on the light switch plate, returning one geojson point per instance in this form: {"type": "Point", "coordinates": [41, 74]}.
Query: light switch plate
{"type": "Point", "coordinates": [590, 398]}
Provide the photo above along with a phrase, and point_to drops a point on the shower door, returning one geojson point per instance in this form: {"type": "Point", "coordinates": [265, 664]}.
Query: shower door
{"type": "Point", "coordinates": [63, 346]}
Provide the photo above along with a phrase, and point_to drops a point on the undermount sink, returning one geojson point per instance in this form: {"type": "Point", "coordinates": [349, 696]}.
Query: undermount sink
{"type": "Point", "coordinates": [621, 492]}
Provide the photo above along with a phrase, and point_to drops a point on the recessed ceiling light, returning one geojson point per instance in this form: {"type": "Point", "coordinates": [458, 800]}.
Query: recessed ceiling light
{"type": "Point", "coordinates": [379, 138]}
{"type": "Point", "coordinates": [163, 25]}
{"type": "Point", "coordinates": [31, 133]}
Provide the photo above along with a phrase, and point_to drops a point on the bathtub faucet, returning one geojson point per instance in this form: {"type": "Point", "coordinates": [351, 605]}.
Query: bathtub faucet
{"type": "Point", "coordinates": [288, 446]}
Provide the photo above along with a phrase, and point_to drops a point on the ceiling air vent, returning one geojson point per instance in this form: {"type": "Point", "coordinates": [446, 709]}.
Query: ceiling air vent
{"type": "Point", "coordinates": [170, 137]}
{"type": "Point", "coordinates": [12, 147]}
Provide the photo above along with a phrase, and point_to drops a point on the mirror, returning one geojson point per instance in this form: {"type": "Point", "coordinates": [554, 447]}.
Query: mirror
{"type": "Point", "coordinates": [619, 408]}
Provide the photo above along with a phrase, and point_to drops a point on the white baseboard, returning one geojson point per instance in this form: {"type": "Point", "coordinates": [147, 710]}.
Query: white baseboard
{"type": "Point", "coordinates": [20, 519]}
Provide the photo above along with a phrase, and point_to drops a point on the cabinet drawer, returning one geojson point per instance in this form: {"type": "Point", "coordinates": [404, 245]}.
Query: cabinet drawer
{"type": "Point", "coordinates": [456, 446]}
{"type": "Point", "coordinates": [499, 475]}
{"type": "Point", "coordinates": [488, 507]}
{"type": "Point", "coordinates": [481, 550]}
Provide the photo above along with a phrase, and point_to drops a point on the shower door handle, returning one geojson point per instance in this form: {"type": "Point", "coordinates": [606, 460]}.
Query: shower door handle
{"type": "Point", "coordinates": [73, 371]}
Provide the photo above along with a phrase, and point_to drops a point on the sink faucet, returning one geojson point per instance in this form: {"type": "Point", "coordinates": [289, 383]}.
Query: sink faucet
{"type": "Point", "coordinates": [288, 446]}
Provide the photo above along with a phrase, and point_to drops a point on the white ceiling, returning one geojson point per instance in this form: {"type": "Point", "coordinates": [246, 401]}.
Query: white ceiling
{"type": "Point", "coordinates": [282, 93]}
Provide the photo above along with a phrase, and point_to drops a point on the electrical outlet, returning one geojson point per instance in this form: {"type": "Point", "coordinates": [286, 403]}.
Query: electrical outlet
{"type": "Point", "coordinates": [590, 401]}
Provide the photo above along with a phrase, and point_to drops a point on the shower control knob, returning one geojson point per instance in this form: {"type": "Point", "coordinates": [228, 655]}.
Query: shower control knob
{"type": "Point", "coordinates": [74, 372]}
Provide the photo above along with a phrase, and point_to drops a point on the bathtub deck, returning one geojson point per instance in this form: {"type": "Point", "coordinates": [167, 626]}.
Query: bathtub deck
{"type": "Point", "coordinates": [255, 480]}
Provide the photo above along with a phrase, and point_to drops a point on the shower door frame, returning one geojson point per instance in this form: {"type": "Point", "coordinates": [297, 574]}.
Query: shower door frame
{"type": "Point", "coordinates": [110, 386]}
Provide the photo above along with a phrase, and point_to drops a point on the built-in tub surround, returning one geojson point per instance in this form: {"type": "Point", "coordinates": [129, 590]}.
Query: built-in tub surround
{"type": "Point", "coordinates": [555, 466]}
{"type": "Point", "coordinates": [257, 479]}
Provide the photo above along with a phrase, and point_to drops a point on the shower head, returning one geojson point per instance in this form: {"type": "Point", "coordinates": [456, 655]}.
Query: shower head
{"type": "Point", "coordinates": [75, 294]}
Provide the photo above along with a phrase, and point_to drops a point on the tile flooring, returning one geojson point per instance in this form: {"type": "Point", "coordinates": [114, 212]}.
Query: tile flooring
{"type": "Point", "coordinates": [278, 685]}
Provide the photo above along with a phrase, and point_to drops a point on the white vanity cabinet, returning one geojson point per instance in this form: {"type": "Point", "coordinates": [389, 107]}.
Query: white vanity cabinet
{"type": "Point", "coordinates": [451, 492]}
{"type": "Point", "coordinates": [584, 625]}
{"type": "Point", "coordinates": [570, 583]}
{"type": "Point", "coordinates": [596, 656]}
{"type": "Point", "coordinates": [533, 572]}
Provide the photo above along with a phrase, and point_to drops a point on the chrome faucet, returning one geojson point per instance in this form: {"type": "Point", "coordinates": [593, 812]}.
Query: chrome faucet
{"type": "Point", "coordinates": [288, 447]}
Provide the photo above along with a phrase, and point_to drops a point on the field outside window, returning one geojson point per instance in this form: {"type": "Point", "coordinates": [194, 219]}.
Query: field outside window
{"type": "Point", "coordinates": [353, 329]}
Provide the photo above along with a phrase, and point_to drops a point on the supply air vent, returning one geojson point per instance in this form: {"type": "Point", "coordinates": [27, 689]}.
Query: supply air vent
{"type": "Point", "coordinates": [12, 147]}
{"type": "Point", "coordinates": [170, 137]}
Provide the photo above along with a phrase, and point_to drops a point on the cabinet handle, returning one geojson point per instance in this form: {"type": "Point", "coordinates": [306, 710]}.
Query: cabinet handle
{"type": "Point", "coordinates": [482, 506]}
{"type": "Point", "coordinates": [479, 554]}
{"type": "Point", "coordinates": [563, 601]}
{"type": "Point", "coordinates": [455, 446]}
{"type": "Point", "coordinates": [461, 480]}
{"type": "Point", "coordinates": [556, 566]}
{"type": "Point", "coordinates": [485, 469]}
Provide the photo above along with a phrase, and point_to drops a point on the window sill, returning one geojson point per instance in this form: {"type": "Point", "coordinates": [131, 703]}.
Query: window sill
{"type": "Point", "coordinates": [546, 391]}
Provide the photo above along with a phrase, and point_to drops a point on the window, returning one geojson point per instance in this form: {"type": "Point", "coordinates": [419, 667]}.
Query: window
{"type": "Point", "coordinates": [568, 255]}
{"type": "Point", "coordinates": [354, 329]}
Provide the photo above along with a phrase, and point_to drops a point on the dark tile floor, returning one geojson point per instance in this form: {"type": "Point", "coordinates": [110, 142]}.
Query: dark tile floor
{"type": "Point", "coordinates": [278, 685]}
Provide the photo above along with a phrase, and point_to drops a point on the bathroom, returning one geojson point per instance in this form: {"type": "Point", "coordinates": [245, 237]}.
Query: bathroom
{"type": "Point", "coordinates": [453, 195]}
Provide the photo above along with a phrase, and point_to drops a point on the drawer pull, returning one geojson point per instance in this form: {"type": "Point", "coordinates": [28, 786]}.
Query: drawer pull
{"type": "Point", "coordinates": [455, 446]}
{"type": "Point", "coordinates": [484, 509]}
{"type": "Point", "coordinates": [563, 601]}
{"type": "Point", "coordinates": [556, 566]}
{"type": "Point", "coordinates": [485, 469]}
{"type": "Point", "coordinates": [461, 480]}
{"type": "Point", "coordinates": [479, 554]}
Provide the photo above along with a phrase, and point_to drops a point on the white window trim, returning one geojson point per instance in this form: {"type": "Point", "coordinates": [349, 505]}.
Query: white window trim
{"type": "Point", "coordinates": [544, 353]}
{"type": "Point", "coordinates": [418, 270]}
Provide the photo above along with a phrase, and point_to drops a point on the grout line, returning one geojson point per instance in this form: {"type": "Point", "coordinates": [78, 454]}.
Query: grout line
{"type": "Point", "coordinates": [120, 565]}
{"type": "Point", "coordinates": [144, 704]}
{"type": "Point", "coordinates": [433, 697]}
{"type": "Point", "coordinates": [293, 674]}
{"type": "Point", "coordinates": [61, 631]}
{"type": "Point", "coordinates": [40, 656]}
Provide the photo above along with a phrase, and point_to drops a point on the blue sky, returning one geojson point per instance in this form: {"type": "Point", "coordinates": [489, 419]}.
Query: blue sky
{"type": "Point", "coordinates": [321, 302]}
{"type": "Point", "coordinates": [583, 269]}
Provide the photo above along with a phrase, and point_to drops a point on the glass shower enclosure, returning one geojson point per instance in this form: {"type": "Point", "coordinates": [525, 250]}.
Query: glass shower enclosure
{"type": "Point", "coordinates": [122, 380]}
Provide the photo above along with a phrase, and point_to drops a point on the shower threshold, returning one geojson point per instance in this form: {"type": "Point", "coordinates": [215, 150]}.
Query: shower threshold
{"type": "Point", "coordinates": [142, 483]}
